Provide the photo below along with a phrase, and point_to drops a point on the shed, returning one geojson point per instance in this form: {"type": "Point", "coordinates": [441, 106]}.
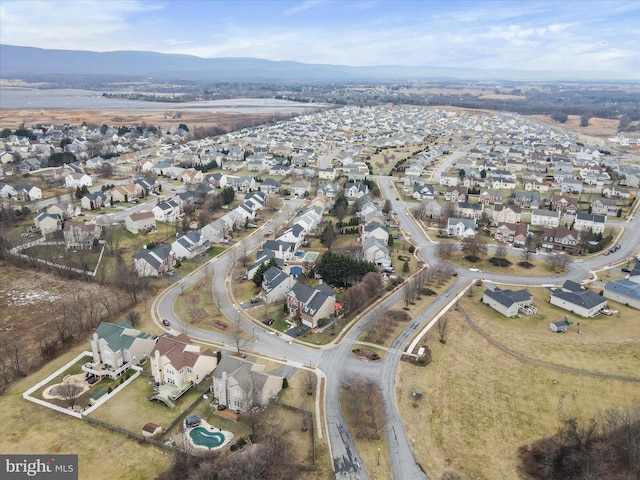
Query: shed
{"type": "Point", "coordinates": [559, 327]}
{"type": "Point", "coordinates": [192, 420]}
{"type": "Point", "coordinates": [151, 429]}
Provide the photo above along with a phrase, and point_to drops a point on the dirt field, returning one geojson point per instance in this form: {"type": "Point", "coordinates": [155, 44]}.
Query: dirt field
{"type": "Point", "coordinates": [228, 121]}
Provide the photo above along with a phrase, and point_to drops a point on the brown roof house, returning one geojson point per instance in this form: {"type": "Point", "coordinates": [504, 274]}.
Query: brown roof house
{"type": "Point", "coordinates": [140, 222]}
{"type": "Point", "coordinates": [176, 365]}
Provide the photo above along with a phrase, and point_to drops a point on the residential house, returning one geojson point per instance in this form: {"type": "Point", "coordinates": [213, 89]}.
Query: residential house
{"type": "Point", "coordinates": [578, 299]}
{"type": "Point", "coordinates": [491, 196]}
{"type": "Point", "coordinates": [64, 210]}
{"type": "Point", "coordinates": [217, 180]}
{"type": "Point", "coordinates": [506, 213]}
{"type": "Point", "coordinates": [512, 233]}
{"type": "Point", "coordinates": [240, 384]}
{"type": "Point", "coordinates": [242, 184]}
{"type": "Point", "coordinates": [75, 180]}
{"type": "Point", "coordinates": [179, 362]}
{"type": "Point", "coordinates": [7, 191]}
{"type": "Point", "coordinates": [327, 173]}
{"type": "Point", "coordinates": [125, 193]}
{"type": "Point", "coordinates": [47, 223]}
{"type": "Point", "coordinates": [282, 250]}
{"type": "Point", "coordinates": [376, 230]}
{"type": "Point", "coordinates": [545, 218]}
{"type": "Point", "coordinates": [167, 211]}
{"type": "Point", "coordinates": [189, 245]}
{"type": "Point", "coordinates": [425, 191]}
{"type": "Point", "coordinates": [81, 235]}
{"type": "Point", "coordinates": [95, 201]}
{"type": "Point", "coordinates": [329, 190]}
{"type": "Point", "coordinates": [27, 193]}
{"type": "Point", "coordinates": [571, 185]}
{"type": "Point", "coordinates": [623, 291]}
{"type": "Point", "coordinates": [507, 302]}
{"type": "Point", "coordinates": [449, 179]}
{"type": "Point", "coordinates": [456, 194]}
{"type": "Point", "coordinates": [604, 206]}
{"type": "Point", "coordinates": [560, 239]}
{"type": "Point", "coordinates": [470, 210]}
{"type": "Point", "coordinates": [191, 176]}
{"type": "Point", "coordinates": [215, 232]}
{"type": "Point", "coordinates": [300, 188]}
{"type": "Point", "coordinates": [142, 222]}
{"type": "Point", "coordinates": [276, 284]}
{"type": "Point", "coordinates": [116, 346]}
{"type": "Point", "coordinates": [527, 200]}
{"type": "Point", "coordinates": [589, 221]}
{"type": "Point", "coordinates": [376, 251]}
{"type": "Point", "coordinates": [154, 263]}
{"type": "Point", "coordinates": [270, 185]}
{"type": "Point", "coordinates": [461, 227]}
{"type": "Point", "coordinates": [309, 305]}
{"type": "Point", "coordinates": [564, 204]}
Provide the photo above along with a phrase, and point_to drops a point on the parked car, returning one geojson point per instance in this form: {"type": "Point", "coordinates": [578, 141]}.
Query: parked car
{"type": "Point", "coordinates": [255, 300]}
{"type": "Point", "coordinates": [166, 322]}
{"type": "Point", "coordinates": [222, 407]}
{"type": "Point", "coordinates": [626, 270]}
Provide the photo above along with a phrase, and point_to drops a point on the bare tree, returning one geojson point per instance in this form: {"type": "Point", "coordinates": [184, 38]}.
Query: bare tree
{"type": "Point", "coordinates": [70, 391]}
{"type": "Point", "coordinates": [409, 293]}
{"type": "Point", "coordinates": [559, 262]}
{"type": "Point", "coordinates": [473, 247]}
{"type": "Point", "coordinates": [133, 318]}
{"type": "Point", "coordinates": [443, 324]}
{"type": "Point", "coordinates": [112, 236]}
{"type": "Point", "coordinates": [240, 337]}
{"type": "Point", "coordinates": [501, 252]}
{"type": "Point", "coordinates": [309, 381]}
{"type": "Point", "coordinates": [446, 249]}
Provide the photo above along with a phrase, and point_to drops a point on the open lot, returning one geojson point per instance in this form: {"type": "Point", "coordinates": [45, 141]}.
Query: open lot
{"type": "Point", "coordinates": [480, 404]}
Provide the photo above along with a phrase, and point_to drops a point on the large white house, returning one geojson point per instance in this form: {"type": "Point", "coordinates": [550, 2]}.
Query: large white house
{"type": "Point", "coordinates": [240, 384]}
{"type": "Point", "coordinates": [577, 299]}
{"type": "Point", "coordinates": [115, 346]}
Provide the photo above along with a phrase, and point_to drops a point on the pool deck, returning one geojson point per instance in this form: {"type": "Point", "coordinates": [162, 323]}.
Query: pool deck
{"type": "Point", "coordinates": [228, 436]}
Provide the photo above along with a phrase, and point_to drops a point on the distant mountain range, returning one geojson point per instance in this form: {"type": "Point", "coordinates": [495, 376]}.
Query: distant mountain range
{"type": "Point", "coordinates": [28, 62]}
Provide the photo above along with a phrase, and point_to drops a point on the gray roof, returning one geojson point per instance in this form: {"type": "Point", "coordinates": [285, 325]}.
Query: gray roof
{"type": "Point", "coordinates": [624, 287]}
{"type": "Point", "coordinates": [578, 296]}
{"type": "Point", "coordinates": [508, 297]}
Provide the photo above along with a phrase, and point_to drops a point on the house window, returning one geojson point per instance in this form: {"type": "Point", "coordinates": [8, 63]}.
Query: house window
{"type": "Point", "coordinates": [189, 370]}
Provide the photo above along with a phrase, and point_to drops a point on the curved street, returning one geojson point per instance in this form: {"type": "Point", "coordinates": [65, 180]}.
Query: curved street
{"type": "Point", "coordinates": [335, 362]}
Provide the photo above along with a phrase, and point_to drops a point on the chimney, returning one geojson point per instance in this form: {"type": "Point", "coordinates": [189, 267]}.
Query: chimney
{"type": "Point", "coordinates": [223, 391]}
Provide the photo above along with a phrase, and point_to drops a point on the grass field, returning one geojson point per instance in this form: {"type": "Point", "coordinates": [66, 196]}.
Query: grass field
{"type": "Point", "coordinates": [480, 404]}
{"type": "Point", "coordinates": [374, 453]}
{"type": "Point", "coordinates": [605, 344]}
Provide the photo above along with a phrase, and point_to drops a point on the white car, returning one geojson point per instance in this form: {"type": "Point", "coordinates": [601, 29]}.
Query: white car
{"type": "Point", "coordinates": [474, 269]}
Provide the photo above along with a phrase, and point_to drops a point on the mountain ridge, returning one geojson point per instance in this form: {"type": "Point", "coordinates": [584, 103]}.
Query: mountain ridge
{"type": "Point", "coordinates": [18, 62]}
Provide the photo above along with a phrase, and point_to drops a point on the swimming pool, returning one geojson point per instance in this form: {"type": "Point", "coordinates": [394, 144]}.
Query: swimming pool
{"type": "Point", "coordinates": [204, 438]}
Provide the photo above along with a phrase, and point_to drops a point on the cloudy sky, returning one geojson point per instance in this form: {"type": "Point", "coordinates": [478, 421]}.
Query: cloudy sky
{"type": "Point", "coordinates": [526, 35]}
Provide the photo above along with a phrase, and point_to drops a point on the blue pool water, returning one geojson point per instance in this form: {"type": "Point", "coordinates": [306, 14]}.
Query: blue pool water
{"type": "Point", "coordinates": [203, 437]}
